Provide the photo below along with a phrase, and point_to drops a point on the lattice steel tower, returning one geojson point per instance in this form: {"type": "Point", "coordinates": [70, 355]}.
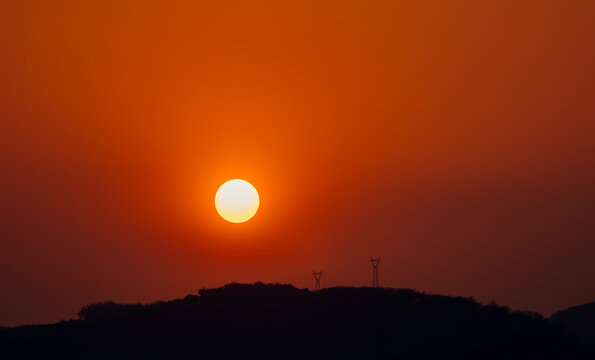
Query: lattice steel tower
{"type": "Point", "coordinates": [317, 276]}
{"type": "Point", "coordinates": [375, 262]}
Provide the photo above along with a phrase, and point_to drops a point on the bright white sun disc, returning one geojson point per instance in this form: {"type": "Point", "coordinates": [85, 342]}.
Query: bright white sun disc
{"type": "Point", "coordinates": [237, 201]}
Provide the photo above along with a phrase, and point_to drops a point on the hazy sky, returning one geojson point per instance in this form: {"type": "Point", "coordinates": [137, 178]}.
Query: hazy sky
{"type": "Point", "coordinates": [454, 139]}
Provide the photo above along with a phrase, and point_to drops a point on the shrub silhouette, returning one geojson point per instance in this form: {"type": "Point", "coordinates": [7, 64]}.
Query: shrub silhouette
{"type": "Point", "coordinates": [280, 321]}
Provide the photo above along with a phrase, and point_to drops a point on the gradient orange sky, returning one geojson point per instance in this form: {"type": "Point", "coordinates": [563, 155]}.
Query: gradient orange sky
{"type": "Point", "coordinates": [454, 139]}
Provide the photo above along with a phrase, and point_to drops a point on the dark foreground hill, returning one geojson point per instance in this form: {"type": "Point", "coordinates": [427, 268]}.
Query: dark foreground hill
{"type": "Point", "coordinates": [280, 321]}
{"type": "Point", "coordinates": [580, 319]}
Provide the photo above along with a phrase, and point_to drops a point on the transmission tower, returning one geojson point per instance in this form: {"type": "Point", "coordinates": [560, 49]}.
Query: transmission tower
{"type": "Point", "coordinates": [375, 262]}
{"type": "Point", "coordinates": [317, 276]}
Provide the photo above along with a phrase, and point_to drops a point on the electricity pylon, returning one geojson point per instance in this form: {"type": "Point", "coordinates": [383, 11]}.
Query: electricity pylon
{"type": "Point", "coordinates": [317, 276]}
{"type": "Point", "coordinates": [375, 262]}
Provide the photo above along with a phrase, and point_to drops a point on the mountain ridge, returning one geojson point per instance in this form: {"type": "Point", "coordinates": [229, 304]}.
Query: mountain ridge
{"type": "Point", "coordinates": [280, 320]}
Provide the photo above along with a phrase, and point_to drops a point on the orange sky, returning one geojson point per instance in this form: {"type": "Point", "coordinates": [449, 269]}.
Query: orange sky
{"type": "Point", "coordinates": [453, 139]}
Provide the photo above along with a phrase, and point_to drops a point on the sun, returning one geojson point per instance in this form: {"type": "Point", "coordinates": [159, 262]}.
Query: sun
{"type": "Point", "coordinates": [237, 201]}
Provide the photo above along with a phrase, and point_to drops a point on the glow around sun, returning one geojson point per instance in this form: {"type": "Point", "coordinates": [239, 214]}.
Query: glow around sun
{"type": "Point", "coordinates": [237, 201]}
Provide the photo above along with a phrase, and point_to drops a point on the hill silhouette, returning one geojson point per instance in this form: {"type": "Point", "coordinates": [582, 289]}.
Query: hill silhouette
{"type": "Point", "coordinates": [581, 320]}
{"type": "Point", "coordinates": [280, 321]}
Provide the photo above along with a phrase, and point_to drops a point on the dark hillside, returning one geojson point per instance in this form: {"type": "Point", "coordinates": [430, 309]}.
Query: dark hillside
{"type": "Point", "coordinates": [281, 321]}
{"type": "Point", "coordinates": [580, 319]}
